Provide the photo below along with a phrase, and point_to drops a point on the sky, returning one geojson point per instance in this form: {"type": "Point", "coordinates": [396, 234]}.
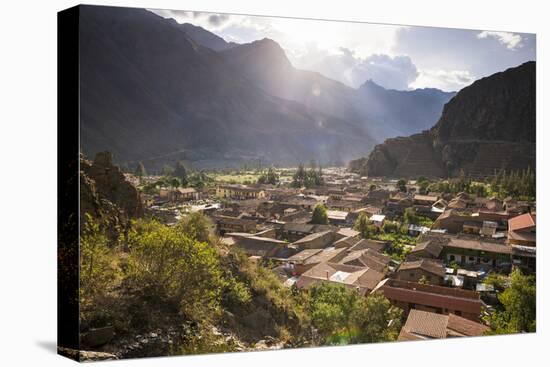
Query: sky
{"type": "Point", "coordinates": [393, 56]}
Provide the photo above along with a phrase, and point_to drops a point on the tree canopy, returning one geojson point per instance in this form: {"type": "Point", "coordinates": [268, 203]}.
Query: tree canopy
{"type": "Point", "coordinates": [319, 215]}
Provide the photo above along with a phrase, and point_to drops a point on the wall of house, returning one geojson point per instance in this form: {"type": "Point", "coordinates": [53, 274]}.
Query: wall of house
{"type": "Point", "coordinates": [414, 275]}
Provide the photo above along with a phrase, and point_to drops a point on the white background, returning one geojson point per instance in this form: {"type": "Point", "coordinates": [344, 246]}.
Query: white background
{"type": "Point", "coordinates": [28, 182]}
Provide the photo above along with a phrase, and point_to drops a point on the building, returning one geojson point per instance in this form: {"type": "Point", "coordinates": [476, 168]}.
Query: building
{"type": "Point", "coordinates": [226, 224]}
{"type": "Point", "coordinates": [522, 230]}
{"type": "Point", "coordinates": [427, 200]}
{"type": "Point", "coordinates": [316, 240]}
{"type": "Point", "coordinates": [422, 325]}
{"type": "Point", "coordinates": [431, 298]}
{"type": "Point", "coordinates": [476, 252]}
{"type": "Point", "coordinates": [337, 217]}
{"type": "Point", "coordinates": [240, 192]}
{"type": "Point", "coordinates": [432, 272]}
{"type": "Point", "coordinates": [307, 259]}
{"type": "Point", "coordinates": [294, 231]}
{"type": "Point", "coordinates": [179, 194]}
{"type": "Point", "coordinates": [428, 249]}
{"type": "Point", "coordinates": [378, 219]}
{"type": "Point", "coordinates": [360, 278]}
{"type": "Point", "coordinates": [367, 258]}
{"type": "Point", "coordinates": [259, 246]}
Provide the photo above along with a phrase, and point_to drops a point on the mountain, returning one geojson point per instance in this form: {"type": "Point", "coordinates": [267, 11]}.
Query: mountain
{"type": "Point", "coordinates": [489, 125]}
{"type": "Point", "coordinates": [203, 37]}
{"type": "Point", "coordinates": [150, 93]}
{"type": "Point", "coordinates": [409, 111]}
{"type": "Point", "coordinates": [385, 113]}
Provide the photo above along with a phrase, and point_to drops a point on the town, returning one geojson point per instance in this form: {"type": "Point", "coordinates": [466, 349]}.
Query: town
{"type": "Point", "coordinates": [430, 253]}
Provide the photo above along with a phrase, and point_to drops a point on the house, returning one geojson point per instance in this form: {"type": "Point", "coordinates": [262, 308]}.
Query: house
{"type": "Point", "coordinates": [315, 240]}
{"type": "Point", "coordinates": [179, 194]}
{"type": "Point", "coordinates": [422, 325]}
{"type": "Point", "coordinates": [226, 224]}
{"type": "Point", "coordinates": [355, 277]}
{"type": "Point", "coordinates": [259, 246]}
{"type": "Point", "coordinates": [378, 219]}
{"type": "Point", "coordinates": [240, 192]}
{"type": "Point", "coordinates": [346, 242]}
{"type": "Point", "coordinates": [433, 272]}
{"type": "Point", "coordinates": [431, 298]}
{"type": "Point", "coordinates": [522, 230]}
{"type": "Point", "coordinates": [337, 217]}
{"type": "Point", "coordinates": [367, 258]}
{"type": "Point", "coordinates": [476, 252]}
{"type": "Point", "coordinates": [294, 231]}
{"type": "Point", "coordinates": [185, 194]}
{"type": "Point", "coordinates": [429, 249]}
{"type": "Point", "coordinates": [427, 200]}
{"type": "Point", "coordinates": [489, 228]}
{"type": "Point", "coordinates": [304, 260]}
{"type": "Point", "coordinates": [375, 245]}
{"type": "Point", "coordinates": [378, 196]}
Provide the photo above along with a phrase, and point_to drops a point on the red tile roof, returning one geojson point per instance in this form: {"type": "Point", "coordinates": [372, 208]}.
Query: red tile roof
{"type": "Point", "coordinates": [520, 222]}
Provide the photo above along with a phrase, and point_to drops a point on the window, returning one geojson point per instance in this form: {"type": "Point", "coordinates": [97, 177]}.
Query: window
{"type": "Point", "coordinates": [452, 258]}
{"type": "Point", "coordinates": [471, 258]}
{"type": "Point", "coordinates": [411, 274]}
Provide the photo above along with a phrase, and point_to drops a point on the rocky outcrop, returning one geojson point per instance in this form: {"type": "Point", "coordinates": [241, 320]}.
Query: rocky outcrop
{"type": "Point", "coordinates": [488, 126]}
{"type": "Point", "coordinates": [106, 195]}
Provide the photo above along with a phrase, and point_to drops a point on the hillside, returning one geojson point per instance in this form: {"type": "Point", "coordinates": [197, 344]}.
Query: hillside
{"type": "Point", "coordinates": [487, 126]}
{"type": "Point", "coordinates": [156, 91]}
{"type": "Point", "coordinates": [385, 113]}
{"type": "Point", "coordinates": [150, 93]}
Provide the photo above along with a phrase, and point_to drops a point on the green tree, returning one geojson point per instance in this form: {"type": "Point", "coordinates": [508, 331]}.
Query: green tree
{"type": "Point", "coordinates": [140, 170]}
{"type": "Point", "coordinates": [319, 215]}
{"type": "Point", "coordinates": [401, 185]}
{"type": "Point", "coordinates": [518, 301]}
{"type": "Point", "coordinates": [342, 315]}
{"type": "Point", "coordinates": [270, 177]}
{"type": "Point", "coordinates": [364, 226]}
{"type": "Point", "coordinates": [197, 226]}
{"type": "Point", "coordinates": [299, 177]}
{"type": "Point", "coordinates": [410, 216]}
{"type": "Point", "coordinates": [174, 269]}
{"type": "Point", "coordinates": [378, 320]}
{"type": "Point", "coordinates": [97, 271]}
{"type": "Point", "coordinates": [181, 173]}
{"type": "Point", "coordinates": [175, 182]}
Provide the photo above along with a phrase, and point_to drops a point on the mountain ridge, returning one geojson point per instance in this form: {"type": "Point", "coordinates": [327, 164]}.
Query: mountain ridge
{"type": "Point", "coordinates": [488, 126]}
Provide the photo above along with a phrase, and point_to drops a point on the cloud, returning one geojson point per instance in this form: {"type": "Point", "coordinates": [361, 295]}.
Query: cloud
{"type": "Point", "coordinates": [352, 52]}
{"type": "Point", "coordinates": [392, 72]}
{"type": "Point", "coordinates": [511, 40]}
{"type": "Point", "coordinates": [447, 80]}
{"type": "Point", "coordinates": [217, 20]}
{"type": "Point", "coordinates": [396, 72]}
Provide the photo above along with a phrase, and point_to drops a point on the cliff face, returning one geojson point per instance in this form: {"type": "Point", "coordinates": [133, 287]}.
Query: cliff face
{"type": "Point", "coordinates": [106, 195]}
{"type": "Point", "coordinates": [487, 126]}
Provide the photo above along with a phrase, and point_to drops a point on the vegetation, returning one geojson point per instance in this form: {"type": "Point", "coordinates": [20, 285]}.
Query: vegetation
{"type": "Point", "coordinates": [270, 177]}
{"type": "Point", "coordinates": [517, 311]}
{"type": "Point", "coordinates": [319, 215]}
{"type": "Point", "coordinates": [502, 184]}
{"type": "Point", "coordinates": [181, 173]}
{"type": "Point", "coordinates": [342, 315]}
{"type": "Point", "coordinates": [140, 170]}
{"type": "Point", "coordinates": [364, 226]}
{"type": "Point", "coordinates": [401, 185]}
{"type": "Point", "coordinates": [308, 178]}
